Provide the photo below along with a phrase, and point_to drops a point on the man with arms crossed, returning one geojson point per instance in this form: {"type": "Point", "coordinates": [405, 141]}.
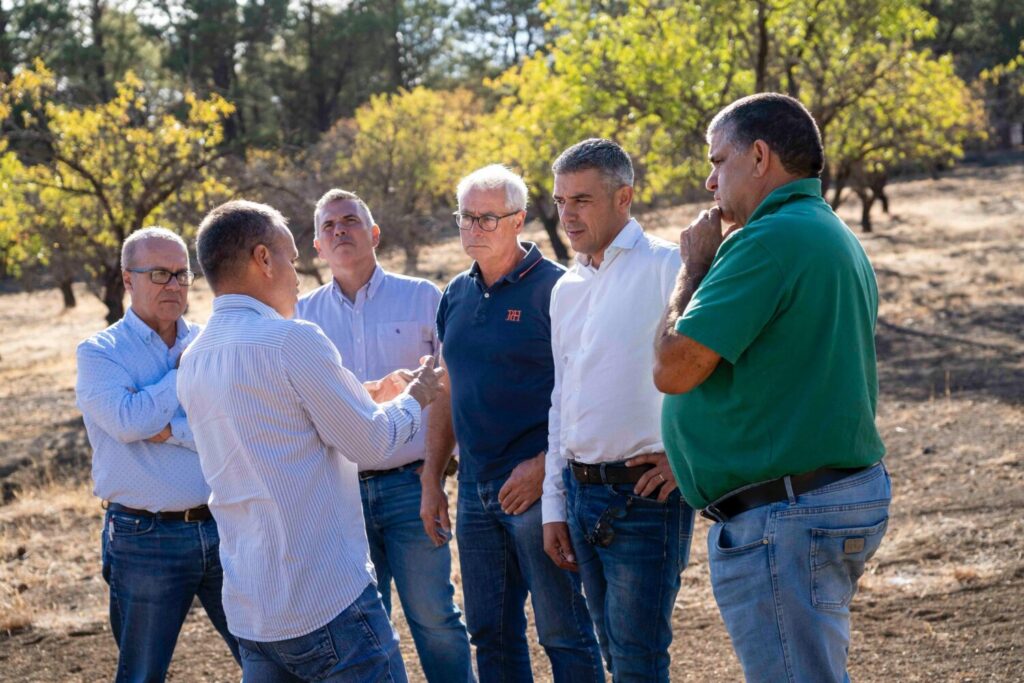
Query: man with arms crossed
{"type": "Point", "coordinates": [381, 322]}
{"type": "Point", "coordinates": [159, 540]}
{"type": "Point", "coordinates": [611, 507]}
{"type": "Point", "coordinates": [767, 349]}
{"type": "Point", "coordinates": [495, 328]}
{"type": "Point", "coordinates": [279, 425]}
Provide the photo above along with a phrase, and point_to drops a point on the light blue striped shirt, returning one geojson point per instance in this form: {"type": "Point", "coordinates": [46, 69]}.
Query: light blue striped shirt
{"type": "Point", "coordinates": [280, 424]}
{"type": "Point", "coordinates": [389, 326]}
{"type": "Point", "coordinates": [125, 390]}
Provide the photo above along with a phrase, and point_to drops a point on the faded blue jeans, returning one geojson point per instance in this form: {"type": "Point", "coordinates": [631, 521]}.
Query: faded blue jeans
{"type": "Point", "coordinates": [401, 549]}
{"type": "Point", "coordinates": [631, 582]}
{"type": "Point", "coordinates": [502, 558]}
{"type": "Point", "coordinates": [784, 575]}
{"type": "Point", "coordinates": [154, 569]}
{"type": "Point", "coordinates": [357, 646]}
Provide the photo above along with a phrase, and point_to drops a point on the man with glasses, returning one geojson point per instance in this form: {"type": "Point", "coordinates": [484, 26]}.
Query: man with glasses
{"type": "Point", "coordinates": [494, 327]}
{"type": "Point", "coordinates": [611, 507]}
{"type": "Point", "coordinates": [382, 322]}
{"type": "Point", "coordinates": [160, 544]}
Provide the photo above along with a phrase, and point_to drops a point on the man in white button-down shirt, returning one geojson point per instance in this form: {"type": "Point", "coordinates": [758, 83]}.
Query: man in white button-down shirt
{"type": "Point", "coordinates": [611, 507]}
{"type": "Point", "coordinates": [279, 424]}
{"type": "Point", "coordinates": [382, 322]}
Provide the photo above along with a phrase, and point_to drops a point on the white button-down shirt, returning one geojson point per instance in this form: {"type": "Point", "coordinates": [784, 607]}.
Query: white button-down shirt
{"type": "Point", "coordinates": [390, 325]}
{"type": "Point", "coordinates": [605, 407]}
{"type": "Point", "coordinates": [126, 392]}
{"type": "Point", "coordinates": [279, 425]}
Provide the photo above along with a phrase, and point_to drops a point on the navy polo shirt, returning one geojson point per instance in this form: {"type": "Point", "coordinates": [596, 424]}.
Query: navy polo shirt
{"type": "Point", "coordinates": [497, 346]}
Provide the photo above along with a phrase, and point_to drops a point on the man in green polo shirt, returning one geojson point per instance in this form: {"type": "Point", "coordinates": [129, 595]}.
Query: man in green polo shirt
{"type": "Point", "coordinates": [767, 354]}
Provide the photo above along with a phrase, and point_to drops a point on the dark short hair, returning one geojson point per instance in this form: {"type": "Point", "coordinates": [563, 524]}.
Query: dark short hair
{"type": "Point", "coordinates": [337, 195]}
{"type": "Point", "coordinates": [230, 232]}
{"type": "Point", "coordinates": [782, 122]}
{"type": "Point", "coordinates": [607, 157]}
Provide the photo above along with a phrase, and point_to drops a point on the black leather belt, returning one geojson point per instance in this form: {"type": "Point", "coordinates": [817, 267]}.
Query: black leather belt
{"type": "Point", "coordinates": [370, 474]}
{"type": "Point", "coordinates": [196, 514]}
{"type": "Point", "coordinates": [607, 473]}
{"type": "Point", "coordinates": [773, 491]}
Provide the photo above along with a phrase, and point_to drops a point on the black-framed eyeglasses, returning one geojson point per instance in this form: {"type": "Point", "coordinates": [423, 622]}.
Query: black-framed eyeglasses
{"type": "Point", "coordinates": [603, 533]}
{"type": "Point", "coordinates": [488, 222]}
{"type": "Point", "coordinates": [161, 276]}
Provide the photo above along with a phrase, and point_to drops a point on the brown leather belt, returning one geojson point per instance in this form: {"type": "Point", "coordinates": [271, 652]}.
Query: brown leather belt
{"type": "Point", "coordinates": [196, 514]}
{"type": "Point", "coordinates": [607, 473]}
{"type": "Point", "coordinates": [773, 491]}
{"type": "Point", "coordinates": [370, 474]}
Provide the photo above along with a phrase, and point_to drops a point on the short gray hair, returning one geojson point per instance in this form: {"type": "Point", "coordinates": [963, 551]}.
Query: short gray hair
{"type": "Point", "coordinates": [495, 177]}
{"type": "Point", "coordinates": [230, 232]}
{"type": "Point", "coordinates": [338, 195]}
{"type": "Point", "coordinates": [153, 232]}
{"type": "Point", "coordinates": [610, 160]}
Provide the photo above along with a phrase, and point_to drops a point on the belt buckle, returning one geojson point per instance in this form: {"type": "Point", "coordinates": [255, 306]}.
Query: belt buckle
{"type": "Point", "coordinates": [188, 513]}
{"type": "Point", "coordinates": [712, 512]}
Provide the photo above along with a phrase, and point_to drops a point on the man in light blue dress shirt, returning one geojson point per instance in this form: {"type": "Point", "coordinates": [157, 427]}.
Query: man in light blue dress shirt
{"type": "Point", "coordinates": [381, 322]}
{"type": "Point", "coordinates": [159, 543]}
{"type": "Point", "coordinates": [280, 425]}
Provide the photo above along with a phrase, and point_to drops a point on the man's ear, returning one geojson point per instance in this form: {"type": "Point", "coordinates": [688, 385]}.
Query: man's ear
{"type": "Point", "coordinates": [375, 235]}
{"type": "Point", "coordinates": [126, 278]}
{"type": "Point", "coordinates": [624, 198]}
{"type": "Point", "coordinates": [520, 221]}
{"type": "Point", "coordinates": [316, 245]}
{"type": "Point", "coordinates": [262, 257]}
{"type": "Point", "coordinates": [762, 158]}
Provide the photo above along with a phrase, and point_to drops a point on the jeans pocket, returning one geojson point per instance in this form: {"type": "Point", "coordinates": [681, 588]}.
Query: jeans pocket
{"type": "Point", "coordinates": [129, 525]}
{"type": "Point", "coordinates": [837, 562]}
{"type": "Point", "coordinates": [310, 657]}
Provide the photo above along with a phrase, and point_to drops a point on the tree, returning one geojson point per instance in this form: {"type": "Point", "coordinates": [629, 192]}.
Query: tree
{"type": "Point", "coordinates": [112, 168]}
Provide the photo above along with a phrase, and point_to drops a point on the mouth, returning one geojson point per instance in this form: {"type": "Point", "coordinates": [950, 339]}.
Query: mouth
{"type": "Point", "coordinates": [574, 233]}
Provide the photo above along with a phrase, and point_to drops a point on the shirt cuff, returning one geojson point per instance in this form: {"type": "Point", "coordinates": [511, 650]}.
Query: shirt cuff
{"type": "Point", "coordinates": [406, 412]}
{"type": "Point", "coordinates": [181, 433]}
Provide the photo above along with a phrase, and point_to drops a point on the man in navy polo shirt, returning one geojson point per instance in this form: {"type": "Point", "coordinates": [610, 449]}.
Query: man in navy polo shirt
{"type": "Point", "coordinates": [495, 330]}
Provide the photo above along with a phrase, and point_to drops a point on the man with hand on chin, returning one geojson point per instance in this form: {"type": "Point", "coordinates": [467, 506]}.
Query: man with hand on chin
{"type": "Point", "coordinates": [767, 353]}
{"type": "Point", "coordinates": [494, 326]}
{"type": "Point", "coordinates": [611, 508]}
{"type": "Point", "coordinates": [382, 322]}
{"type": "Point", "coordinates": [280, 425]}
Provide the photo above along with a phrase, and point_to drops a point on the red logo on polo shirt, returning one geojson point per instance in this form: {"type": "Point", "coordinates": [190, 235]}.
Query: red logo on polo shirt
{"type": "Point", "coordinates": [514, 314]}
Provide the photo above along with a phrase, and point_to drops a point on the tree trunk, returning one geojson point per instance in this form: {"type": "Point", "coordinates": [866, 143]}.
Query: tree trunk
{"type": "Point", "coordinates": [867, 200]}
{"type": "Point", "coordinates": [67, 292]}
{"type": "Point", "coordinates": [113, 293]}
{"type": "Point", "coordinates": [412, 257]}
{"type": "Point", "coordinates": [761, 69]}
{"type": "Point", "coordinates": [549, 219]}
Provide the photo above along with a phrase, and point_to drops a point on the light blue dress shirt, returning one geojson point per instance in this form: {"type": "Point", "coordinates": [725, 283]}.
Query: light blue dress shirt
{"type": "Point", "coordinates": [126, 392]}
{"type": "Point", "coordinates": [279, 425]}
{"type": "Point", "coordinates": [390, 325]}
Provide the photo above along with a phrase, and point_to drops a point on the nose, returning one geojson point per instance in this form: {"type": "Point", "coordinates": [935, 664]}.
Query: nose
{"type": "Point", "coordinates": [173, 283]}
{"type": "Point", "coordinates": [712, 182]}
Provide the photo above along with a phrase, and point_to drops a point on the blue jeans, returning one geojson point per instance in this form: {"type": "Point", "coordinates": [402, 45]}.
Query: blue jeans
{"type": "Point", "coordinates": [631, 583]}
{"type": "Point", "coordinates": [502, 558]}
{"type": "Point", "coordinates": [784, 575]}
{"type": "Point", "coordinates": [154, 569]}
{"type": "Point", "coordinates": [357, 646]}
{"type": "Point", "coordinates": [400, 549]}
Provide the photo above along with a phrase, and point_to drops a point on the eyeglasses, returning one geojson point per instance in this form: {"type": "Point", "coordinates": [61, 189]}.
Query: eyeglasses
{"type": "Point", "coordinates": [488, 222]}
{"type": "Point", "coordinates": [161, 276]}
{"type": "Point", "coordinates": [603, 533]}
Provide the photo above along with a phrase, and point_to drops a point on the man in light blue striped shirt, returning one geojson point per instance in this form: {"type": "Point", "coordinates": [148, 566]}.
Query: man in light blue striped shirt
{"type": "Point", "coordinates": [160, 544]}
{"type": "Point", "coordinates": [280, 425]}
{"type": "Point", "coordinates": [381, 322]}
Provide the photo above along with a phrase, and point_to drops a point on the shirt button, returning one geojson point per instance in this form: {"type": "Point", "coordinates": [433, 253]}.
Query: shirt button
{"type": "Point", "coordinates": [487, 295]}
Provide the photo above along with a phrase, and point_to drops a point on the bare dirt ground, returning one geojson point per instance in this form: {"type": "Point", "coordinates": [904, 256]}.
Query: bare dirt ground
{"type": "Point", "coordinates": [942, 601]}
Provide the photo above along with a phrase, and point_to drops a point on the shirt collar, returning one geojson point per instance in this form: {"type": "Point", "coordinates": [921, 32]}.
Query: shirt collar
{"type": "Point", "coordinates": [234, 302]}
{"type": "Point", "coordinates": [805, 187]}
{"type": "Point", "coordinates": [146, 333]}
{"type": "Point", "coordinates": [532, 258]}
{"type": "Point", "coordinates": [370, 288]}
{"type": "Point", "coordinates": [626, 239]}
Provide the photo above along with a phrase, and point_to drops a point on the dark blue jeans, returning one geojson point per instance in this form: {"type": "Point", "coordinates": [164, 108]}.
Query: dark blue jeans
{"type": "Point", "coordinates": [154, 569]}
{"type": "Point", "coordinates": [630, 569]}
{"type": "Point", "coordinates": [502, 558]}
{"type": "Point", "coordinates": [357, 646]}
{"type": "Point", "coordinates": [400, 549]}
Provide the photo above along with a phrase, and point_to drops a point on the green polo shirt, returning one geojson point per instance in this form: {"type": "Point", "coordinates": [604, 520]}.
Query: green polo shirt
{"type": "Point", "coordinates": [790, 305]}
